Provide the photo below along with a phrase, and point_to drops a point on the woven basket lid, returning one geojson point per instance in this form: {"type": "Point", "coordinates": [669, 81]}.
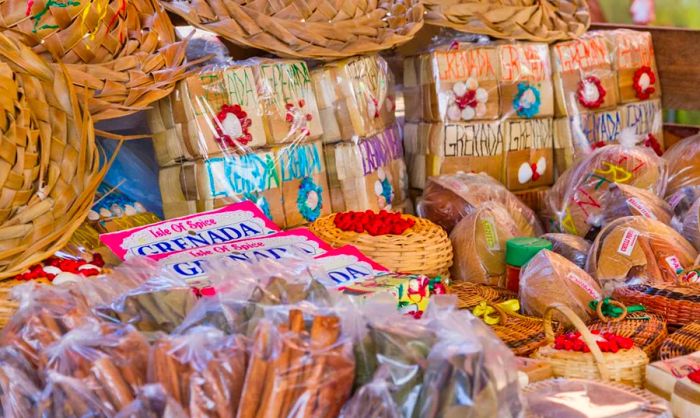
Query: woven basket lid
{"type": "Point", "coordinates": [317, 29]}
{"type": "Point", "coordinates": [124, 51]}
{"type": "Point", "coordinates": [49, 163]}
{"type": "Point", "coordinates": [532, 20]}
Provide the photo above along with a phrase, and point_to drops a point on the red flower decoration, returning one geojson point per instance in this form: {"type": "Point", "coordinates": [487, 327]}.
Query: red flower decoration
{"type": "Point", "coordinates": [591, 93]}
{"type": "Point", "coordinates": [381, 223]}
{"type": "Point", "coordinates": [609, 342]}
{"type": "Point", "coordinates": [467, 99]}
{"type": "Point", "coordinates": [293, 112]}
{"type": "Point", "coordinates": [599, 144]}
{"type": "Point", "coordinates": [643, 82]}
{"type": "Point", "coordinates": [653, 143]}
{"type": "Point", "coordinates": [224, 131]}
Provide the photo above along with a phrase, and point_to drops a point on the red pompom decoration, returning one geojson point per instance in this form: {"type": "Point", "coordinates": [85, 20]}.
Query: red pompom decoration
{"type": "Point", "coordinates": [382, 223]}
{"type": "Point", "coordinates": [609, 342]}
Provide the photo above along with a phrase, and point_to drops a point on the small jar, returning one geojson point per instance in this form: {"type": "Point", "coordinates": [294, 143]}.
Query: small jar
{"type": "Point", "coordinates": [518, 252]}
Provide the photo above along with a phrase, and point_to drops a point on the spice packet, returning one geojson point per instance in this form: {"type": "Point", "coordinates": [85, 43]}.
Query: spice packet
{"type": "Point", "coordinates": [230, 223]}
{"type": "Point", "coordinates": [345, 265]}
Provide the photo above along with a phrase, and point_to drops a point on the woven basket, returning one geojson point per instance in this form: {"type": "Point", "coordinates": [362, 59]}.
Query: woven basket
{"type": "Point", "coordinates": [471, 294]}
{"type": "Point", "coordinates": [680, 305]}
{"type": "Point", "coordinates": [522, 334]}
{"type": "Point", "coordinates": [534, 199]}
{"type": "Point", "coordinates": [532, 20]}
{"type": "Point", "coordinates": [423, 249]}
{"type": "Point", "coordinates": [682, 342]}
{"type": "Point", "coordinates": [647, 331]}
{"type": "Point", "coordinates": [49, 163]}
{"type": "Point", "coordinates": [123, 51]}
{"type": "Point", "coordinates": [625, 366]}
{"type": "Point", "coordinates": [298, 29]}
{"type": "Point", "coordinates": [553, 391]}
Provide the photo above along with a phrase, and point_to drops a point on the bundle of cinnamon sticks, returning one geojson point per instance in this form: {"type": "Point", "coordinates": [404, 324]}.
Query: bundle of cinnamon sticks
{"type": "Point", "coordinates": [19, 385]}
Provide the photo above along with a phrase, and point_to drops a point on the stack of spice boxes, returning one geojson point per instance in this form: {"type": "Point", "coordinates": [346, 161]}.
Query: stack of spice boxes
{"type": "Point", "coordinates": [604, 83]}
{"type": "Point", "coordinates": [243, 132]}
{"type": "Point", "coordinates": [480, 108]}
{"type": "Point", "coordinates": [362, 142]}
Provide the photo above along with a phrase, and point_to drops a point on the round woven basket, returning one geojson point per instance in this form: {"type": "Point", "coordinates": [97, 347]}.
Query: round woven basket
{"type": "Point", "coordinates": [682, 342]}
{"type": "Point", "coordinates": [522, 334]}
{"type": "Point", "coordinates": [625, 366]}
{"type": "Point", "coordinates": [602, 394]}
{"type": "Point", "coordinates": [471, 294]}
{"type": "Point", "coordinates": [647, 330]}
{"type": "Point", "coordinates": [680, 305]}
{"type": "Point", "coordinates": [123, 51]}
{"type": "Point", "coordinates": [532, 20]}
{"type": "Point", "coordinates": [319, 29]}
{"type": "Point", "coordinates": [49, 163]}
{"type": "Point", "coordinates": [425, 248]}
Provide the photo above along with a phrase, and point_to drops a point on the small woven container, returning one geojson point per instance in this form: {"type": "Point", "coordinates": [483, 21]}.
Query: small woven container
{"type": "Point", "coordinates": [601, 395]}
{"type": "Point", "coordinates": [49, 163]}
{"type": "Point", "coordinates": [424, 248]}
{"type": "Point", "coordinates": [534, 199]}
{"type": "Point", "coordinates": [123, 51]}
{"type": "Point", "coordinates": [531, 20]}
{"type": "Point", "coordinates": [680, 305]}
{"type": "Point", "coordinates": [471, 294]}
{"type": "Point", "coordinates": [647, 330]}
{"type": "Point", "coordinates": [682, 342]}
{"type": "Point", "coordinates": [299, 29]}
{"type": "Point", "coordinates": [625, 366]}
{"type": "Point", "coordinates": [8, 307]}
{"type": "Point", "coordinates": [522, 334]}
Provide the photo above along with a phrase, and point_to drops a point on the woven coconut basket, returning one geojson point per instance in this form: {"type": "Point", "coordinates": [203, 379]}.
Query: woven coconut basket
{"type": "Point", "coordinates": [531, 20]}
{"type": "Point", "coordinates": [124, 51]}
{"type": "Point", "coordinates": [49, 163]}
{"type": "Point", "coordinates": [306, 29]}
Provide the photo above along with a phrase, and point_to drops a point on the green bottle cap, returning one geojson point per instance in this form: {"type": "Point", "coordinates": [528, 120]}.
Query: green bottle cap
{"type": "Point", "coordinates": [521, 250]}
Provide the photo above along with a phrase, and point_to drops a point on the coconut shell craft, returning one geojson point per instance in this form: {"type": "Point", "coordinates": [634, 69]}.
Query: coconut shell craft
{"type": "Point", "coordinates": [319, 30]}
{"type": "Point", "coordinates": [525, 19]}
{"type": "Point", "coordinates": [448, 198]}
{"type": "Point", "coordinates": [479, 243]}
{"type": "Point", "coordinates": [124, 52]}
{"type": "Point", "coordinates": [634, 249]}
{"type": "Point", "coordinates": [577, 201]}
{"type": "Point", "coordinates": [50, 167]}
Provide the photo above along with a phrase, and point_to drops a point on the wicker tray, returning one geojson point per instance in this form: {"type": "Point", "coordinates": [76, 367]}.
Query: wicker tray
{"type": "Point", "coordinates": [124, 52]}
{"type": "Point", "coordinates": [321, 29]}
{"type": "Point", "coordinates": [647, 330]}
{"type": "Point", "coordinates": [625, 366]}
{"type": "Point", "coordinates": [471, 294]}
{"type": "Point", "coordinates": [682, 342]}
{"type": "Point", "coordinates": [49, 167]}
{"type": "Point", "coordinates": [532, 20]}
{"type": "Point", "coordinates": [425, 248]}
{"type": "Point", "coordinates": [553, 390]}
{"type": "Point", "coordinates": [680, 305]}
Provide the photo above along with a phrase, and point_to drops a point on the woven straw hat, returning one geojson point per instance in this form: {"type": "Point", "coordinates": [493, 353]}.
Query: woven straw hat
{"type": "Point", "coordinates": [124, 51]}
{"type": "Point", "coordinates": [533, 20]}
{"type": "Point", "coordinates": [49, 163]}
{"type": "Point", "coordinates": [318, 29]}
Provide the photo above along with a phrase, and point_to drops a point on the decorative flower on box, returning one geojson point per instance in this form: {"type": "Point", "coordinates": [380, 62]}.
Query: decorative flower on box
{"type": "Point", "coordinates": [532, 172]}
{"type": "Point", "coordinates": [309, 199]}
{"type": "Point", "coordinates": [383, 190]}
{"type": "Point", "coordinates": [651, 142]}
{"type": "Point", "coordinates": [231, 124]}
{"type": "Point", "coordinates": [643, 82]}
{"type": "Point", "coordinates": [297, 117]}
{"type": "Point", "coordinates": [527, 101]}
{"type": "Point", "coordinates": [591, 93]}
{"type": "Point", "coordinates": [467, 101]}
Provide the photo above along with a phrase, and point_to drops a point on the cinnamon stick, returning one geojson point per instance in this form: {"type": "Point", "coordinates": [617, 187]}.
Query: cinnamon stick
{"type": "Point", "coordinates": [257, 370]}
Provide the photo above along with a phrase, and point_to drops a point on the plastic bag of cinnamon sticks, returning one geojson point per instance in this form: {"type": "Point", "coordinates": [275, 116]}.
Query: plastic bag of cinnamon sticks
{"type": "Point", "coordinates": [375, 399]}
{"type": "Point", "coordinates": [113, 358]}
{"type": "Point", "coordinates": [201, 370]}
{"type": "Point", "coordinates": [19, 385]}
{"type": "Point", "coordinates": [45, 314]}
{"type": "Point", "coordinates": [70, 397]}
{"type": "Point", "coordinates": [152, 401]}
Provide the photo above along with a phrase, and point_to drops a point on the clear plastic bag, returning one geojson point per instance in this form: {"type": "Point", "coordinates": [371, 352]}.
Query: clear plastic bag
{"type": "Point", "coordinates": [449, 198]}
{"type": "Point", "coordinates": [577, 200]}
{"type": "Point", "coordinates": [152, 402]}
{"type": "Point", "coordinates": [201, 370]}
{"type": "Point", "coordinates": [683, 169]}
{"type": "Point", "coordinates": [691, 225]}
{"type": "Point", "coordinates": [548, 278]}
{"type": "Point", "coordinates": [571, 247]}
{"type": "Point", "coordinates": [110, 359]}
{"type": "Point", "coordinates": [70, 397]}
{"type": "Point", "coordinates": [479, 243]}
{"type": "Point", "coordinates": [634, 250]}
{"type": "Point", "coordinates": [373, 399]}
{"type": "Point", "coordinates": [19, 385]}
